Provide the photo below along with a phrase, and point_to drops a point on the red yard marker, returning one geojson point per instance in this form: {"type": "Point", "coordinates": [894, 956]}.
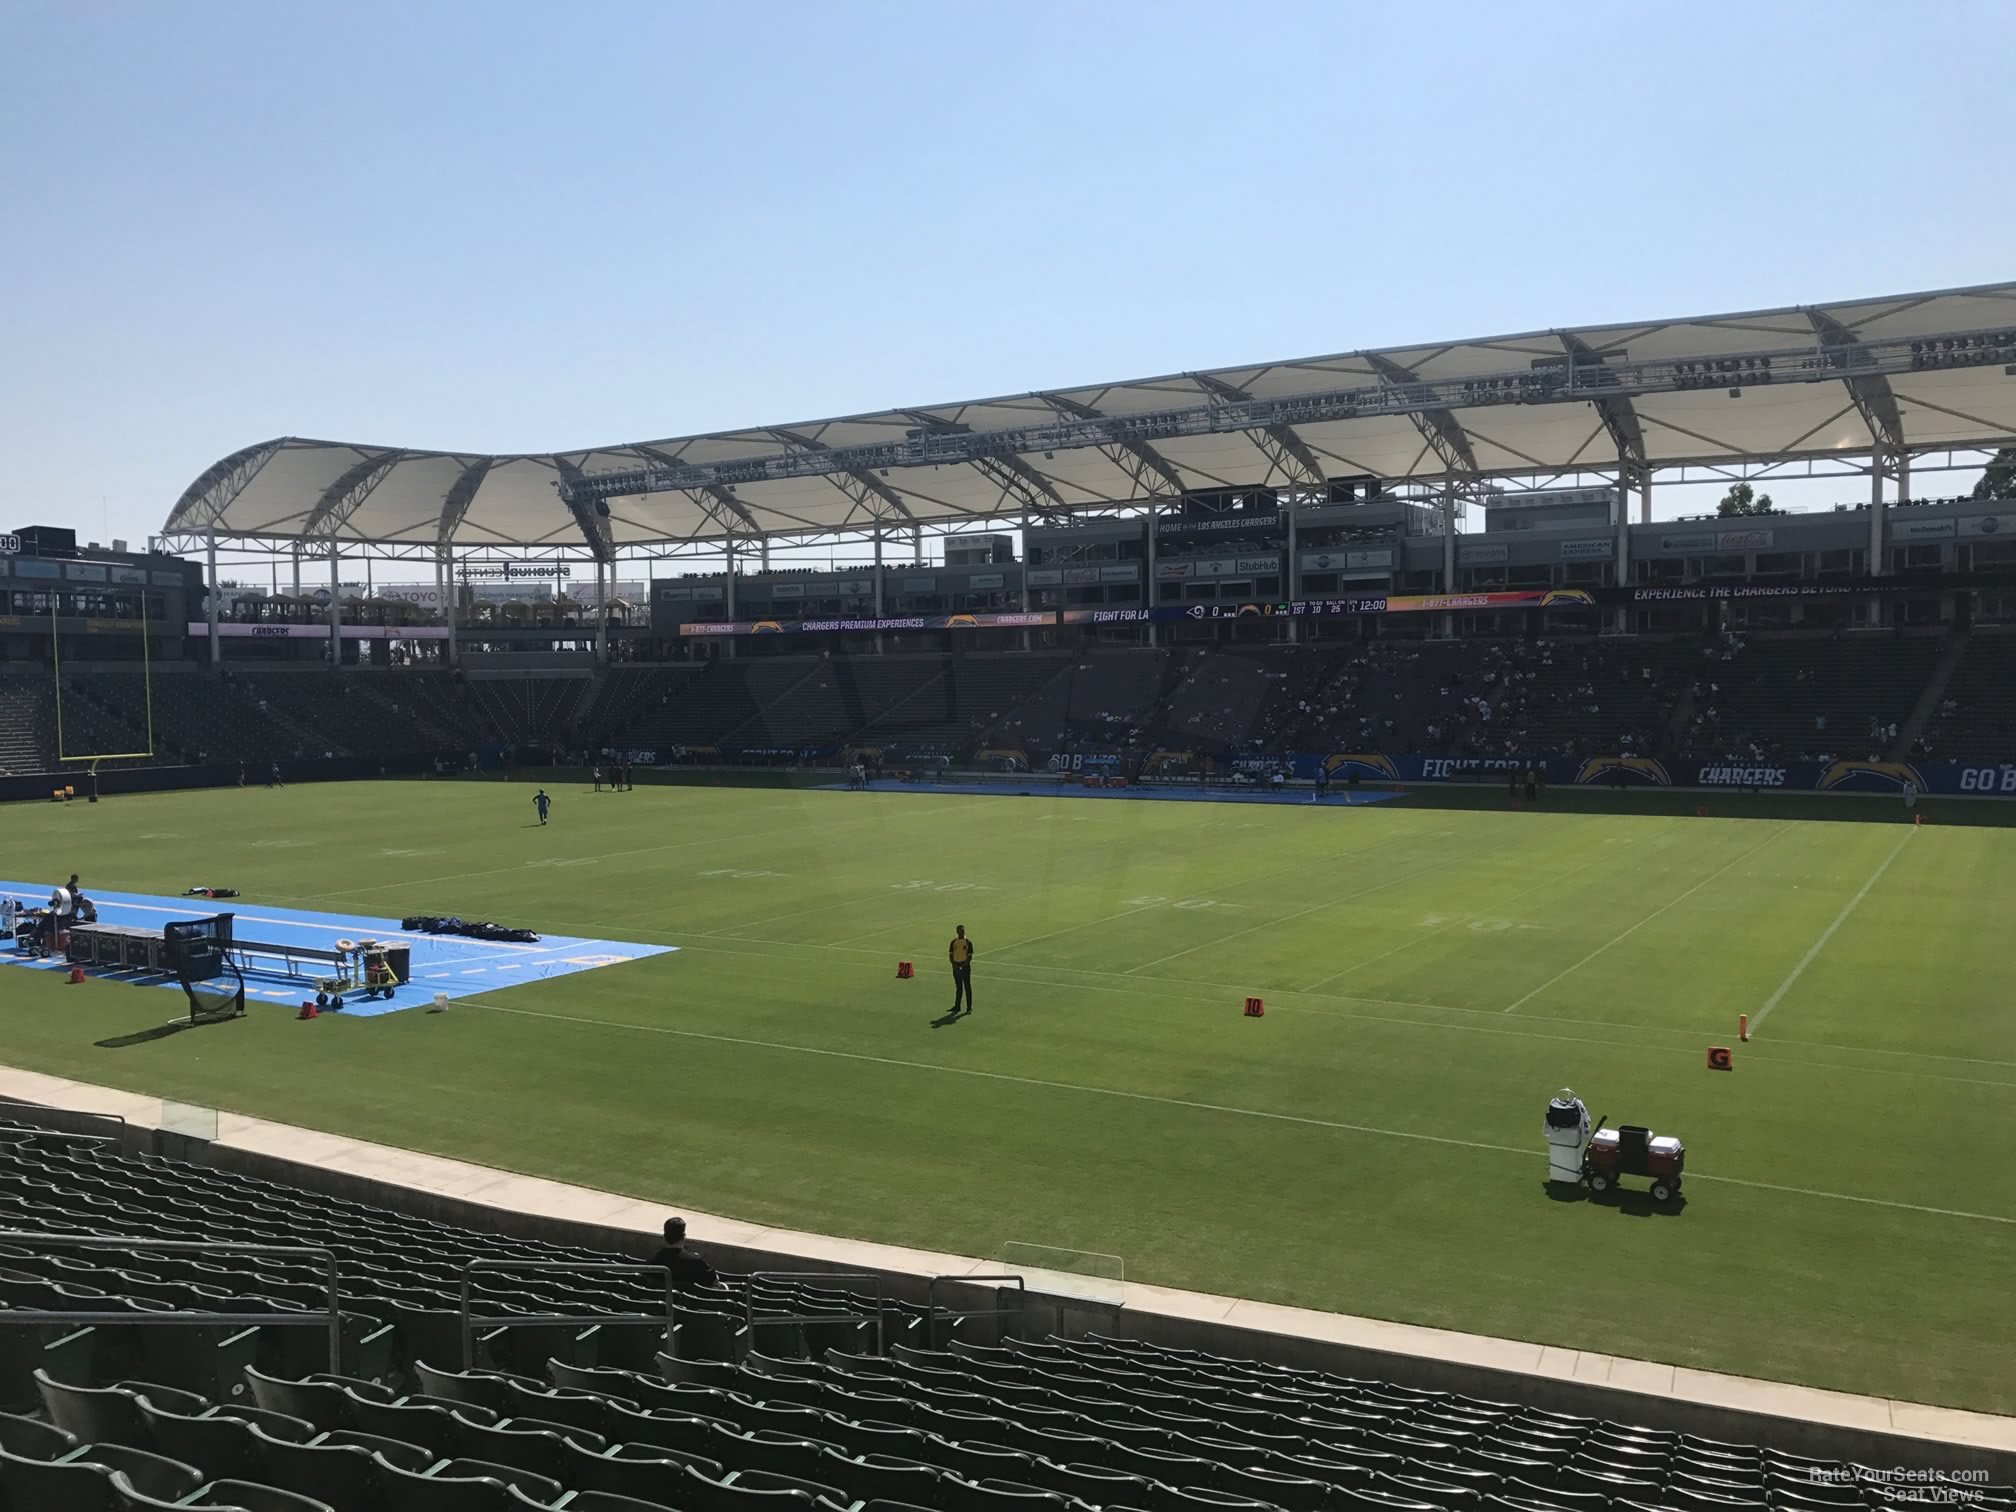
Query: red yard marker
{"type": "Point", "coordinates": [1255, 1008]}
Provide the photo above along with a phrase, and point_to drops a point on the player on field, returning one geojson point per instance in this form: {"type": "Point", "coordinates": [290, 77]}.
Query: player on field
{"type": "Point", "coordinates": [1322, 783]}
{"type": "Point", "coordinates": [960, 953]}
{"type": "Point", "coordinates": [541, 803]}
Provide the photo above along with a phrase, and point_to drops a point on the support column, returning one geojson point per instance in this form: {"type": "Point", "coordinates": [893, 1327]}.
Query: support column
{"type": "Point", "coordinates": [1876, 463]}
{"type": "Point", "coordinates": [1622, 555]}
{"type": "Point", "coordinates": [335, 610]}
{"type": "Point", "coordinates": [1027, 639]}
{"type": "Point", "coordinates": [1151, 587]}
{"type": "Point", "coordinates": [878, 589]}
{"type": "Point", "coordinates": [1645, 499]}
{"type": "Point", "coordinates": [297, 572]}
{"type": "Point", "coordinates": [1448, 552]}
{"type": "Point", "coordinates": [916, 545]}
{"type": "Point", "coordinates": [449, 596]}
{"type": "Point", "coordinates": [728, 583]}
{"type": "Point", "coordinates": [604, 578]}
{"type": "Point", "coordinates": [216, 647]}
{"type": "Point", "coordinates": [1291, 574]}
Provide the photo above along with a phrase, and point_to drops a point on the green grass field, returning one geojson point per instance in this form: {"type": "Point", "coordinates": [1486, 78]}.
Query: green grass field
{"type": "Point", "coordinates": [1371, 1145]}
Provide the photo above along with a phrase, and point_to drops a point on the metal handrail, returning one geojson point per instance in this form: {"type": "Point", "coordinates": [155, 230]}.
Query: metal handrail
{"type": "Point", "coordinates": [22, 1102]}
{"type": "Point", "coordinates": [934, 1312]}
{"type": "Point", "coordinates": [520, 1320]}
{"type": "Point", "coordinates": [179, 1317]}
{"type": "Point", "coordinates": [880, 1317]}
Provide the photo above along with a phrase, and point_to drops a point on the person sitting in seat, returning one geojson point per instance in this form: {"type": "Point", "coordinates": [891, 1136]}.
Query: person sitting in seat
{"type": "Point", "coordinates": [688, 1268]}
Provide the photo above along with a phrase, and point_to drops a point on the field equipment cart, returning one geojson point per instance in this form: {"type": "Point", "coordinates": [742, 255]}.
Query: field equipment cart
{"type": "Point", "coordinates": [1633, 1151]}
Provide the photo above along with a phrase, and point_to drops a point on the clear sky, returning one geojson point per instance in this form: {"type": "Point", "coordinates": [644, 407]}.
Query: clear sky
{"type": "Point", "coordinates": [515, 227]}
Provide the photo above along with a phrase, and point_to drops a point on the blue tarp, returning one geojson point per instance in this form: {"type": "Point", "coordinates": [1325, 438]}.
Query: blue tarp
{"type": "Point", "coordinates": [458, 967]}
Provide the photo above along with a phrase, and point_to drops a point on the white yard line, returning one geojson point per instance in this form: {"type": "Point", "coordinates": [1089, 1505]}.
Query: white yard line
{"type": "Point", "coordinates": [1757, 1019]}
{"type": "Point", "coordinates": [1662, 908]}
{"type": "Point", "coordinates": [1525, 887]}
{"type": "Point", "coordinates": [1419, 872]}
{"type": "Point", "coordinates": [1197, 1106]}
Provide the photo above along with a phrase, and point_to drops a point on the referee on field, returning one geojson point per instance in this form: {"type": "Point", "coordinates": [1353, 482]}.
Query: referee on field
{"type": "Point", "coordinates": [960, 953]}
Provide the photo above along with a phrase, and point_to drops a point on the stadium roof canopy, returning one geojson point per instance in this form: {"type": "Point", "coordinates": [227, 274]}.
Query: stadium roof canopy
{"type": "Point", "coordinates": [1912, 372]}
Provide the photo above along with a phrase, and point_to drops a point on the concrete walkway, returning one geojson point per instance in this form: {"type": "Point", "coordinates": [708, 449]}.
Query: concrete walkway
{"type": "Point", "coordinates": [531, 1194]}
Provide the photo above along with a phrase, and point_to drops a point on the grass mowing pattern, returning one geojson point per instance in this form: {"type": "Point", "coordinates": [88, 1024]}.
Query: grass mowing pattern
{"type": "Point", "coordinates": [1372, 1145]}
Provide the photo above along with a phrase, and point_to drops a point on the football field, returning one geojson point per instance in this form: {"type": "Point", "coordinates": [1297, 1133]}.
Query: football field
{"type": "Point", "coordinates": [1371, 1145]}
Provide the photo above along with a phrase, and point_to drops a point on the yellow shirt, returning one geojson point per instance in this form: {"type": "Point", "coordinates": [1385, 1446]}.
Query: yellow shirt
{"type": "Point", "coordinates": [962, 950]}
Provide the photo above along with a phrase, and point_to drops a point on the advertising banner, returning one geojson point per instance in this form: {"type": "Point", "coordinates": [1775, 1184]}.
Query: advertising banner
{"type": "Point", "coordinates": [1904, 528]}
{"type": "Point", "coordinates": [1589, 549]}
{"type": "Point", "coordinates": [1235, 524]}
{"type": "Point", "coordinates": [1948, 778]}
{"type": "Point", "coordinates": [237, 631]}
{"type": "Point", "coordinates": [520, 571]}
{"type": "Point", "coordinates": [1371, 603]}
{"type": "Point", "coordinates": [1126, 573]}
{"type": "Point", "coordinates": [1354, 561]}
{"type": "Point", "coordinates": [1554, 498]}
{"type": "Point", "coordinates": [990, 619]}
{"type": "Point", "coordinates": [980, 582]}
{"type": "Point", "coordinates": [1744, 540]}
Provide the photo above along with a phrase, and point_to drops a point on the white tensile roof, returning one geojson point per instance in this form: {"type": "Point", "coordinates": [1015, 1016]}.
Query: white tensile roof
{"type": "Point", "coordinates": [296, 489]}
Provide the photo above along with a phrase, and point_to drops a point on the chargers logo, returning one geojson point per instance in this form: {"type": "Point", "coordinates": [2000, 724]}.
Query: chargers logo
{"type": "Point", "coordinates": [957, 621]}
{"type": "Point", "coordinates": [767, 627]}
{"type": "Point", "coordinates": [1638, 771]}
{"type": "Point", "coordinates": [1576, 598]}
{"type": "Point", "coordinates": [1378, 767]}
{"type": "Point", "coordinates": [1870, 777]}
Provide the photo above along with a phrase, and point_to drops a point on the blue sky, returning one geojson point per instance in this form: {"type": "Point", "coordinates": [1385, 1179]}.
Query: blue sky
{"type": "Point", "coordinates": [516, 227]}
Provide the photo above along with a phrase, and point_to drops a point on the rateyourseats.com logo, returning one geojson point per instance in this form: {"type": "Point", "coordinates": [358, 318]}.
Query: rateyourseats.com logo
{"type": "Point", "coordinates": [1898, 1485]}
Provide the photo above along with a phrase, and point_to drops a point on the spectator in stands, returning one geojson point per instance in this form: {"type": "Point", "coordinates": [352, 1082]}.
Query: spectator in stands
{"type": "Point", "coordinates": [689, 1269]}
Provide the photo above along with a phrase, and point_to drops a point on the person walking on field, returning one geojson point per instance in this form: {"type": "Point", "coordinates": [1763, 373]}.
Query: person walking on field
{"type": "Point", "coordinates": [541, 803]}
{"type": "Point", "coordinates": [960, 952]}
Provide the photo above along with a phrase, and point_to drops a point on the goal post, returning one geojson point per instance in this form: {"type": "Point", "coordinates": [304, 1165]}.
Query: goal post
{"type": "Point", "coordinates": [64, 755]}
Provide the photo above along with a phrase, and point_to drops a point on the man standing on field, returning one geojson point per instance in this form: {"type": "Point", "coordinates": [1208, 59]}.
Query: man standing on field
{"type": "Point", "coordinates": [960, 952]}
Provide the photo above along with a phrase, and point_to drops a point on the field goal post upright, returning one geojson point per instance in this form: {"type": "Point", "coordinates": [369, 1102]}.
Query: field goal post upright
{"type": "Point", "coordinates": [63, 754]}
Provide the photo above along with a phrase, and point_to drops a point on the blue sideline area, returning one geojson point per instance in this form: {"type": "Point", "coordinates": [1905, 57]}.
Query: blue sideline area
{"type": "Point", "coordinates": [1039, 787]}
{"type": "Point", "coordinates": [441, 963]}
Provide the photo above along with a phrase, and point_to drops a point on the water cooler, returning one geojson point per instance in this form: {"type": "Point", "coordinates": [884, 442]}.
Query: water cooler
{"type": "Point", "coordinates": [1567, 1131]}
